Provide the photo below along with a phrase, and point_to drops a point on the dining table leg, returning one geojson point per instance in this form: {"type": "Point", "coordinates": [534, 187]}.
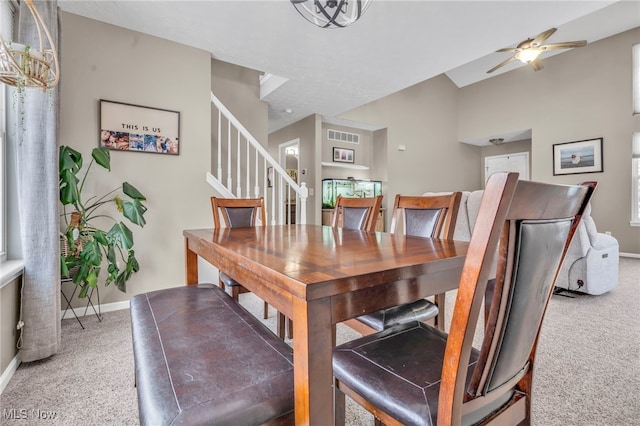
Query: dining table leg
{"type": "Point", "coordinates": [191, 264]}
{"type": "Point", "coordinates": [312, 351]}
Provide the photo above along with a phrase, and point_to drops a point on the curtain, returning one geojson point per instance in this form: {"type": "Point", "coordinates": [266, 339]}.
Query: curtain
{"type": "Point", "coordinates": [37, 166]}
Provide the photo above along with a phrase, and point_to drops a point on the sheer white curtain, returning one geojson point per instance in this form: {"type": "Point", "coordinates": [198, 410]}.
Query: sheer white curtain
{"type": "Point", "coordinates": [37, 166]}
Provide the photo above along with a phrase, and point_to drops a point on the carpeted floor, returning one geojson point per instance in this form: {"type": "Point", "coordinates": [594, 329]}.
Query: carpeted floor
{"type": "Point", "coordinates": [587, 372]}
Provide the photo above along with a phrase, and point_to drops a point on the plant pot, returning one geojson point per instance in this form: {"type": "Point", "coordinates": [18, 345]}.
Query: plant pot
{"type": "Point", "coordinates": [18, 62]}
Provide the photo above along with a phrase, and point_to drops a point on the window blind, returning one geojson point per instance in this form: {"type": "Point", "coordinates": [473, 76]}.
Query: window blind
{"type": "Point", "coordinates": [635, 69]}
{"type": "Point", "coordinates": [6, 20]}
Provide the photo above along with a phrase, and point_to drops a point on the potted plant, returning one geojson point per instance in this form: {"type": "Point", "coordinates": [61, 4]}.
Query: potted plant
{"type": "Point", "coordinates": [88, 244]}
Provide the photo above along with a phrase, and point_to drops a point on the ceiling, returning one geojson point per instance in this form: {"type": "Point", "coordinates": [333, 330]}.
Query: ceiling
{"type": "Point", "coordinates": [394, 45]}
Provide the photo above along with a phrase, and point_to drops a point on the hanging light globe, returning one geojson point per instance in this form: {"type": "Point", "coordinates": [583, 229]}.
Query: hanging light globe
{"type": "Point", "coordinates": [331, 13]}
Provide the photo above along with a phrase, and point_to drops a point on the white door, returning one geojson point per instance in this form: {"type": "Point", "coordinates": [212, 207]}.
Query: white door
{"type": "Point", "coordinates": [516, 162]}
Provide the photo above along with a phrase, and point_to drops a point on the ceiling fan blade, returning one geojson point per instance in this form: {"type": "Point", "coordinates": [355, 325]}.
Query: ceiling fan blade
{"type": "Point", "coordinates": [509, 49]}
{"type": "Point", "coordinates": [503, 63]}
{"type": "Point", "coordinates": [543, 36]}
{"type": "Point", "coordinates": [564, 45]}
{"type": "Point", "coordinates": [536, 64]}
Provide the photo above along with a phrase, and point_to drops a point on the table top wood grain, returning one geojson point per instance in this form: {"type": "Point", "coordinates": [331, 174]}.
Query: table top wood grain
{"type": "Point", "coordinates": [319, 276]}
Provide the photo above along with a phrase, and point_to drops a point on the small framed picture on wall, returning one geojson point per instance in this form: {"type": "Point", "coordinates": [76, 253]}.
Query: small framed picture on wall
{"type": "Point", "coordinates": [577, 157]}
{"type": "Point", "coordinates": [343, 155]}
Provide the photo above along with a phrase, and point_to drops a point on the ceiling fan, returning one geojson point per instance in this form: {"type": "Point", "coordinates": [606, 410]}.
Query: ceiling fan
{"type": "Point", "coordinates": [528, 50]}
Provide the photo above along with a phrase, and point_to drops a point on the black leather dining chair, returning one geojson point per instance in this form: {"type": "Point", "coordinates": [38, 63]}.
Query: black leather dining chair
{"type": "Point", "coordinates": [415, 374]}
{"type": "Point", "coordinates": [432, 216]}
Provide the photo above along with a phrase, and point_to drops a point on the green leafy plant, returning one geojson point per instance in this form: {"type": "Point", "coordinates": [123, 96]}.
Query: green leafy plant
{"type": "Point", "coordinates": [19, 82]}
{"type": "Point", "coordinates": [88, 244]}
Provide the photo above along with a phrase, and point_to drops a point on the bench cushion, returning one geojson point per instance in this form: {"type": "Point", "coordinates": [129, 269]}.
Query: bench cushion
{"type": "Point", "coordinates": [201, 358]}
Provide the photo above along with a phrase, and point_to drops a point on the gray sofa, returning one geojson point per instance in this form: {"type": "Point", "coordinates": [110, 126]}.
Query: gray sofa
{"type": "Point", "coordinates": [591, 263]}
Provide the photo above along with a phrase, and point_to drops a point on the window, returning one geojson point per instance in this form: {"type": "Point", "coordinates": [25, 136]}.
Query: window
{"type": "Point", "coordinates": [6, 26]}
{"type": "Point", "coordinates": [3, 168]}
{"type": "Point", "coordinates": [635, 184]}
{"type": "Point", "coordinates": [635, 156]}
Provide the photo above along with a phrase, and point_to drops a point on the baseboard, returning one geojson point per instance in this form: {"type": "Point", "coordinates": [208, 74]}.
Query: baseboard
{"type": "Point", "coordinates": [634, 255]}
{"type": "Point", "coordinates": [105, 307]}
{"type": "Point", "coordinates": [8, 373]}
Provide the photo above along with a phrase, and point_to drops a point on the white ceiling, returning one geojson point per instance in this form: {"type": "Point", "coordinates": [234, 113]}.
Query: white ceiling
{"type": "Point", "coordinates": [394, 45]}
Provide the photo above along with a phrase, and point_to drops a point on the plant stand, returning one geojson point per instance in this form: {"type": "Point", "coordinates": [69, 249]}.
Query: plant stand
{"type": "Point", "coordinates": [68, 300]}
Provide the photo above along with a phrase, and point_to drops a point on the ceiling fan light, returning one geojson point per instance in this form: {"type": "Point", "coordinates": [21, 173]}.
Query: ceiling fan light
{"type": "Point", "coordinates": [528, 55]}
{"type": "Point", "coordinates": [331, 13]}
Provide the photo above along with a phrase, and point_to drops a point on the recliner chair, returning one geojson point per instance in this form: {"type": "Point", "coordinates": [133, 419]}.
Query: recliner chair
{"type": "Point", "coordinates": [591, 264]}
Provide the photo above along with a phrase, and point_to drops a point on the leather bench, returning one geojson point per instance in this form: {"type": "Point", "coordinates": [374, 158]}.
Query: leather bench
{"type": "Point", "coordinates": [201, 358]}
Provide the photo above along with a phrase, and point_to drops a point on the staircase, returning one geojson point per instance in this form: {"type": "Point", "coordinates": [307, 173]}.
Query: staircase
{"type": "Point", "coordinates": [244, 169]}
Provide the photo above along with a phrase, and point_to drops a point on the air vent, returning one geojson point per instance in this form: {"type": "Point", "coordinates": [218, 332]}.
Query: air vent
{"type": "Point", "coordinates": [335, 135]}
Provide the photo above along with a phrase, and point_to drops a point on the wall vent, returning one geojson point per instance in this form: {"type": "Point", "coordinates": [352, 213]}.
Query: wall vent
{"type": "Point", "coordinates": [336, 135]}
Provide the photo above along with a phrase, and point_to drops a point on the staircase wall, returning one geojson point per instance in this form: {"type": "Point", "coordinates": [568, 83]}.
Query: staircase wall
{"type": "Point", "coordinates": [238, 88]}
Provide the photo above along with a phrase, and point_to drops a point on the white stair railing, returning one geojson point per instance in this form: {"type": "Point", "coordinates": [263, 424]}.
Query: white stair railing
{"type": "Point", "coordinates": [234, 150]}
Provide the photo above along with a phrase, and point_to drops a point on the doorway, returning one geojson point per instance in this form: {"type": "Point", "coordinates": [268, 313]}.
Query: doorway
{"type": "Point", "coordinates": [516, 162]}
{"type": "Point", "coordinates": [289, 160]}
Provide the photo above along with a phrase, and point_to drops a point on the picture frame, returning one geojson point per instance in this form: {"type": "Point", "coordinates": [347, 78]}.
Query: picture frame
{"type": "Point", "coordinates": [576, 157]}
{"type": "Point", "coordinates": [293, 174]}
{"type": "Point", "coordinates": [343, 155]}
{"type": "Point", "coordinates": [136, 128]}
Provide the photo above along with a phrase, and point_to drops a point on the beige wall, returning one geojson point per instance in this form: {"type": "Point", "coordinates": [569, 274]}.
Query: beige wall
{"type": "Point", "coordinates": [582, 94]}
{"type": "Point", "coordinates": [9, 316]}
{"type": "Point", "coordinates": [424, 118]}
{"type": "Point", "coordinates": [379, 156]}
{"type": "Point", "coordinates": [238, 88]}
{"type": "Point", "coordinates": [363, 154]}
{"type": "Point", "coordinates": [101, 61]}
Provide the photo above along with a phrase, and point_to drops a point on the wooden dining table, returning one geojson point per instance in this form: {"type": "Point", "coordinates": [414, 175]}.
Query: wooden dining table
{"type": "Point", "coordinates": [320, 276]}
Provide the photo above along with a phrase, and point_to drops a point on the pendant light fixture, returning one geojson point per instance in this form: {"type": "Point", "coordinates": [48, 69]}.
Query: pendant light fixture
{"type": "Point", "coordinates": [22, 65]}
{"type": "Point", "coordinates": [331, 13]}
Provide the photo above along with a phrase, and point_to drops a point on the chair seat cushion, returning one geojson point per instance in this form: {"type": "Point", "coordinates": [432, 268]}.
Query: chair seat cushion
{"type": "Point", "coordinates": [420, 310]}
{"type": "Point", "coordinates": [389, 370]}
{"type": "Point", "coordinates": [227, 280]}
{"type": "Point", "coordinates": [201, 358]}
